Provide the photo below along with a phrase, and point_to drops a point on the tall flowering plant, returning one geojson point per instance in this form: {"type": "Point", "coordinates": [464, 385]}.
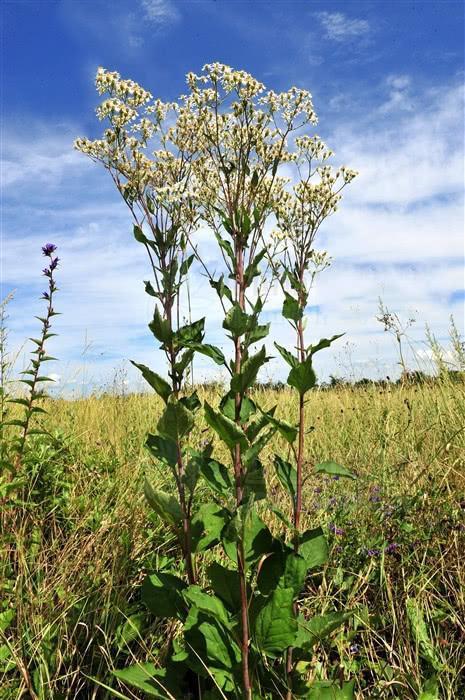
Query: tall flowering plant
{"type": "Point", "coordinates": [239, 617]}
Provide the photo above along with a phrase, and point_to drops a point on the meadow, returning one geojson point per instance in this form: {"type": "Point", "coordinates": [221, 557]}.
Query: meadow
{"type": "Point", "coordinates": [86, 538]}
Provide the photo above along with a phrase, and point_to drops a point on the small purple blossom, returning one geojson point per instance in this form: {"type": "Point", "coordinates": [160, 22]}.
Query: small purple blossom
{"type": "Point", "coordinates": [354, 648]}
{"type": "Point", "coordinates": [336, 530]}
{"type": "Point", "coordinates": [373, 552]}
{"type": "Point", "coordinates": [48, 249]}
{"type": "Point", "coordinates": [332, 502]}
{"type": "Point", "coordinates": [392, 547]}
{"type": "Point", "coordinates": [318, 490]}
{"type": "Point", "coordinates": [336, 477]}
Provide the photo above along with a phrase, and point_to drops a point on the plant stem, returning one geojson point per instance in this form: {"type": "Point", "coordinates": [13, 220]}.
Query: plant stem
{"type": "Point", "coordinates": [238, 474]}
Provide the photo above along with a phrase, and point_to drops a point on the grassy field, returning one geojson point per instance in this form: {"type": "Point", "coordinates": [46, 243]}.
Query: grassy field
{"type": "Point", "coordinates": [397, 540]}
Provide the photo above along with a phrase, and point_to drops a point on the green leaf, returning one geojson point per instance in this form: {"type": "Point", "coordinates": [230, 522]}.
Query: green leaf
{"type": "Point", "coordinates": [421, 635]}
{"type": "Point", "coordinates": [192, 402]}
{"type": "Point", "coordinates": [291, 359]}
{"type": "Point", "coordinates": [207, 525]}
{"type": "Point", "coordinates": [163, 449]}
{"type": "Point", "coordinates": [226, 429]}
{"type": "Point", "coordinates": [226, 584]}
{"type": "Point", "coordinates": [149, 288]}
{"type": "Point", "coordinates": [254, 483]}
{"type": "Point", "coordinates": [209, 604]}
{"type": "Point", "coordinates": [256, 333]}
{"type": "Point", "coordinates": [139, 235]}
{"type": "Point", "coordinates": [323, 343]}
{"type": "Point", "coordinates": [164, 505]}
{"type": "Point", "coordinates": [217, 477]}
{"type": "Point", "coordinates": [249, 370]}
{"type": "Point", "coordinates": [175, 421]}
{"type": "Point", "coordinates": [221, 289]}
{"type": "Point", "coordinates": [334, 469]}
{"type": "Point", "coordinates": [430, 690]}
{"type": "Point", "coordinates": [253, 429]}
{"type": "Point", "coordinates": [130, 629]}
{"type": "Point", "coordinates": [326, 690]}
{"type": "Point", "coordinates": [285, 429]}
{"type": "Point", "coordinates": [160, 385]}
{"type": "Point", "coordinates": [186, 264]}
{"type": "Point", "coordinates": [162, 594]}
{"type": "Point", "coordinates": [318, 628]}
{"type": "Point", "coordinates": [275, 625]}
{"type": "Point", "coordinates": [208, 639]}
{"type": "Point", "coordinates": [158, 683]}
{"type": "Point", "coordinates": [282, 569]}
{"type": "Point", "coordinates": [247, 526]}
{"type": "Point", "coordinates": [228, 407]}
{"type": "Point", "coordinates": [291, 308]}
{"type": "Point", "coordinates": [160, 328]}
{"type": "Point", "coordinates": [251, 454]}
{"type": "Point", "coordinates": [313, 547]}
{"type": "Point", "coordinates": [237, 321]}
{"type": "Point", "coordinates": [302, 377]}
{"type": "Point", "coordinates": [210, 351]}
{"type": "Point", "coordinates": [191, 333]}
{"type": "Point", "coordinates": [287, 475]}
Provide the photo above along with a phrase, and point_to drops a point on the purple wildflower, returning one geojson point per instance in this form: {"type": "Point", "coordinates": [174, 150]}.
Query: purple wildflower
{"type": "Point", "coordinates": [336, 477]}
{"type": "Point", "coordinates": [392, 547]}
{"type": "Point", "coordinates": [332, 503]}
{"type": "Point", "coordinates": [48, 249]}
{"type": "Point", "coordinates": [318, 490]}
{"type": "Point", "coordinates": [336, 530]}
{"type": "Point", "coordinates": [354, 648]}
{"type": "Point", "coordinates": [54, 263]}
{"type": "Point", "coordinates": [373, 552]}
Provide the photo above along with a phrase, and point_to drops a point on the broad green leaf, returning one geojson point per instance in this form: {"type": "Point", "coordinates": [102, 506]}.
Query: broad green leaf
{"type": "Point", "coordinates": [226, 429]}
{"type": "Point", "coordinates": [287, 475]}
{"type": "Point", "coordinates": [160, 328]}
{"type": "Point", "coordinates": [186, 264]}
{"type": "Point", "coordinates": [249, 371]}
{"type": "Point", "coordinates": [217, 477]}
{"type": "Point", "coordinates": [162, 449]}
{"type": "Point", "coordinates": [160, 385]}
{"type": "Point", "coordinates": [237, 322]}
{"type": "Point", "coordinates": [149, 288]}
{"type": "Point", "coordinates": [219, 653]}
{"type": "Point", "coordinates": [247, 526]}
{"type": "Point", "coordinates": [326, 690]}
{"type": "Point", "coordinates": [207, 525]}
{"type": "Point", "coordinates": [190, 333]}
{"type": "Point", "coordinates": [318, 628]}
{"type": "Point", "coordinates": [302, 377]}
{"type": "Point", "coordinates": [164, 505]}
{"type": "Point", "coordinates": [139, 235]}
{"type": "Point", "coordinates": [313, 548]}
{"type": "Point", "coordinates": [210, 351]}
{"type": "Point", "coordinates": [323, 343]}
{"type": "Point", "coordinates": [252, 452]}
{"type": "Point", "coordinates": [156, 682]}
{"type": "Point", "coordinates": [430, 690]}
{"type": "Point", "coordinates": [208, 604]}
{"type": "Point", "coordinates": [226, 584]}
{"type": "Point", "coordinates": [221, 289]}
{"type": "Point", "coordinates": [275, 625]}
{"type": "Point", "coordinates": [228, 407]}
{"type": "Point", "coordinates": [192, 402]}
{"type": "Point", "coordinates": [291, 308]}
{"type": "Point", "coordinates": [256, 333]}
{"type": "Point", "coordinates": [253, 429]}
{"type": "Point", "coordinates": [421, 635]}
{"type": "Point", "coordinates": [282, 569]}
{"type": "Point", "coordinates": [130, 629]}
{"type": "Point", "coordinates": [175, 421]}
{"type": "Point", "coordinates": [254, 483]}
{"type": "Point", "coordinates": [291, 359]}
{"type": "Point", "coordinates": [334, 469]}
{"type": "Point", "coordinates": [162, 594]}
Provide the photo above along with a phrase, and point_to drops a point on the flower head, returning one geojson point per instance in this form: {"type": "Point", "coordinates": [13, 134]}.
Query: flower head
{"type": "Point", "coordinates": [48, 249]}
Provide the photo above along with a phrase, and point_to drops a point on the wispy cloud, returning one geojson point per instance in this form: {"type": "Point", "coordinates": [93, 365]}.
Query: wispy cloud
{"type": "Point", "coordinates": [340, 27]}
{"type": "Point", "coordinates": [160, 12]}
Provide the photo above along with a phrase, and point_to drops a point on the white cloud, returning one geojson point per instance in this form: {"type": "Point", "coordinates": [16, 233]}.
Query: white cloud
{"type": "Point", "coordinates": [339, 27]}
{"type": "Point", "coordinates": [160, 12]}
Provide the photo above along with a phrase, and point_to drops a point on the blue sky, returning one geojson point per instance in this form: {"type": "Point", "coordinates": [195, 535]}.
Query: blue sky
{"type": "Point", "coordinates": [387, 81]}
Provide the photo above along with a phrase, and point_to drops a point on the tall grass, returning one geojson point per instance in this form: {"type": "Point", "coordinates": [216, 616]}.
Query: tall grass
{"type": "Point", "coordinates": [396, 534]}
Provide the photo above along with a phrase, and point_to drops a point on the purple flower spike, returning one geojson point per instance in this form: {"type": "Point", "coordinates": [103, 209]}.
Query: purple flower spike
{"type": "Point", "coordinates": [54, 263]}
{"type": "Point", "coordinates": [373, 552]}
{"type": "Point", "coordinates": [48, 249]}
{"type": "Point", "coordinates": [336, 530]}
